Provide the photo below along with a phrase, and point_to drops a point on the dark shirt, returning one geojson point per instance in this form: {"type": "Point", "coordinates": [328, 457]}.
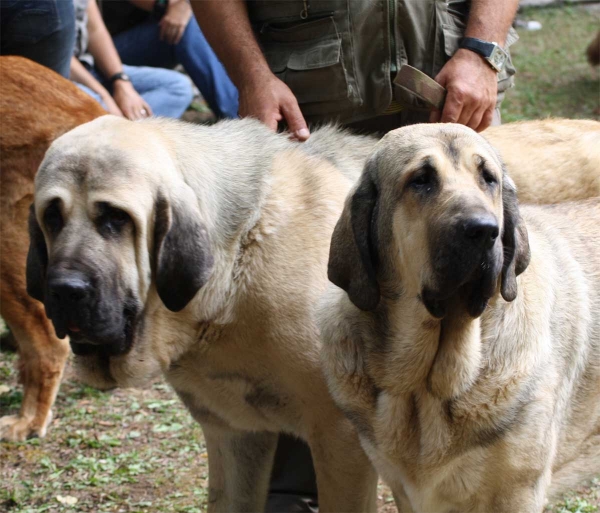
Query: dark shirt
{"type": "Point", "coordinates": [121, 15]}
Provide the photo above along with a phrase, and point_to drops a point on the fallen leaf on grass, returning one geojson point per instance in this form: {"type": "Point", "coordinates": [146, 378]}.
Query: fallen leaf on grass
{"type": "Point", "coordinates": [67, 499]}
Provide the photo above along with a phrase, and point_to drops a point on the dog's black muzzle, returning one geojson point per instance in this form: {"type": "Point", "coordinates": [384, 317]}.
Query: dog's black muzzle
{"type": "Point", "coordinates": [466, 260]}
{"type": "Point", "coordinates": [92, 319]}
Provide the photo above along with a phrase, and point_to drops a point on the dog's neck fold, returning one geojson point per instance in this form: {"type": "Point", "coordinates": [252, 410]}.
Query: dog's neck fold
{"type": "Point", "coordinates": [441, 355]}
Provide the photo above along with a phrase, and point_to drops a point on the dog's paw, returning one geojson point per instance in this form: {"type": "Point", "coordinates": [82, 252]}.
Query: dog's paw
{"type": "Point", "coordinates": [14, 428]}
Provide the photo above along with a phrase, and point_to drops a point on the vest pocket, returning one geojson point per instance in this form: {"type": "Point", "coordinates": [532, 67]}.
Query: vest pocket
{"type": "Point", "coordinates": [308, 56]}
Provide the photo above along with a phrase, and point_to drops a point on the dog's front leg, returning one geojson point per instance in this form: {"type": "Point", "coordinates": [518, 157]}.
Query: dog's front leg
{"type": "Point", "coordinates": [346, 480]}
{"type": "Point", "coordinates": [239, 468]}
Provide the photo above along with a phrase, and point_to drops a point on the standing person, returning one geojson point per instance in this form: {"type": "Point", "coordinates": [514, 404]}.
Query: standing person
{"type": "Point", "coordinates": [41, 30]}
{"type": "Point", "coordinates": [334, 60]}
{"type": "Point", "coordinates": [133, 92]}
{"type": "Point", "coordinates": [164, 33]}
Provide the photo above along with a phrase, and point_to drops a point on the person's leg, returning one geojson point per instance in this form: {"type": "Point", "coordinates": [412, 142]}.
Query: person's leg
{"type": "Point", "coordinates": [93, 94]}
{"type": "Point", "coordinates": [141, 46]}
{"type": "Point", "coordinates": [168, 92]}
{"type": "Point", "coordinates": [206, 71]}
{"type": "Point", "coordinates": [41, 30]}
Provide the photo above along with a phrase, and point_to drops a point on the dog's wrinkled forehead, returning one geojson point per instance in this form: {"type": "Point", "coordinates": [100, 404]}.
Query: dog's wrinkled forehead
{"type": "Point", "coordinates": [107, 153]}
{"type": "Point", "coordinates": [413, 143]}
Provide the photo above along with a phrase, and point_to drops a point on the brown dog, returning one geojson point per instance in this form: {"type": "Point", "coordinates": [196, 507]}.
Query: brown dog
{"type": "Point", "coordinates": [36, 106]}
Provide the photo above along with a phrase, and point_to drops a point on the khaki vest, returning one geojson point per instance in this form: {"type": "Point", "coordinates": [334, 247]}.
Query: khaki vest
{"type": "Point", "coordinates": [340, 57]}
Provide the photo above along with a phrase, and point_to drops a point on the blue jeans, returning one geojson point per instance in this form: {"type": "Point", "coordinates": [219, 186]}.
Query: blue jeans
{"type": "Point", "coordinates": [41, 30]}
{"type": "Point", "coordinates": [141, 46]}
{"type": "Point", "coordinates": [168, 92]}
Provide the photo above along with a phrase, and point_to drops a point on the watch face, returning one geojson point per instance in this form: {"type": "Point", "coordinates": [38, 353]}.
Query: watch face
{"type": "Point", "coordinates": [125, 76]}
{"type": "Point", "coordinates": [498, 58]}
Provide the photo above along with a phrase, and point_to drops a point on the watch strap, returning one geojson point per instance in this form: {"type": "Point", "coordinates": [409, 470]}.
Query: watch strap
{"type": "Point", "coordinates": [119, 76]}
{"type": "Point", "coordinates": [483, 48]}
{"type": "Point", "coordinates": [492, 52]}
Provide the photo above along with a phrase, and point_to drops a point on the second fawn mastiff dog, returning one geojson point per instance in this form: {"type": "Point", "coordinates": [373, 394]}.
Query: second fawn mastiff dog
{"type": "Point", "coordinates": [464, 340]}
{"type": "Point", "coordinates": [200, 252]}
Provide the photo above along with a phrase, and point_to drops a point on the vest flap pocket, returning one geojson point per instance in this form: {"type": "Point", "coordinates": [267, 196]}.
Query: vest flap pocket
{"type": "Point", "coordinates": [310, 57]}
{"type": "Point", "coordinates": [327, 53]}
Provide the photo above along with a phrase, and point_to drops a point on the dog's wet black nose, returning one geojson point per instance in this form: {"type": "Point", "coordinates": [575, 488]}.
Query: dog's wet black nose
{"type": "Point", "coordinates": [69, 290]}
{"type": "Point", "coordinates": [481, 231]}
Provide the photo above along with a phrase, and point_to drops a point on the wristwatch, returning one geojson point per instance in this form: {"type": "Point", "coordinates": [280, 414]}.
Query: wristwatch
{"type": "Point", "coordinates": [492, 52]}
{"type": "Point", "coordinates": [119, 76]}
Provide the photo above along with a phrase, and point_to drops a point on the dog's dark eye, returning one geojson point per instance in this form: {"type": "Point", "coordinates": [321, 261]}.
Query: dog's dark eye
{"type": "Point", "coordinates": [489, 178]}
{"type": "Point", "coordinates": [53, 218]}
{"type": "Point", "coordinates": [423, 180]}
{"type": "Point", "coordinates": [112, 220]}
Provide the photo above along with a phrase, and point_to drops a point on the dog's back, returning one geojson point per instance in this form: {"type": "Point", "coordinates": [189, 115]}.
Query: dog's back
{"type": "Point", "coordinates": [550, 160]}
{"type": "Point", "coordinates": [345, 150]}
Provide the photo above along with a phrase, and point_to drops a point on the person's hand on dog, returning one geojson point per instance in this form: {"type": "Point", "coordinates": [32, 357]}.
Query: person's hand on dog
{"type": "Point", "coordinates": [268, 99]}
{"type": "Point", "coordinates": [472, 87]}
{"type": "Point", "coordinates": [173, 23]}
{"type": "Point", "coordinates": [129, 101]}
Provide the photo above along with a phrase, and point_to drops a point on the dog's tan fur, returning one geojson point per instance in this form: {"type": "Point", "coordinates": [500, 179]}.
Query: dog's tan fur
{"type": "Point", "coordinates": [36, 106]}
{"type": "Point", "coordinates": [464, 413]}
{"type": "Point", "coordinates": [244, 354]}
{"type": "Point", "coordinates": [550, 160]}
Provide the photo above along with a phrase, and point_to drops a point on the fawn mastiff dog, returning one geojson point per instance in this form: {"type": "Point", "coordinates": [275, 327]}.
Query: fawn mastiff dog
{"type": "Point", "coordinates": [463, 341]}
{"type": "Point", "coordinates": [200, 252]}
{"type": "Point", "coordinates": [36, 106]}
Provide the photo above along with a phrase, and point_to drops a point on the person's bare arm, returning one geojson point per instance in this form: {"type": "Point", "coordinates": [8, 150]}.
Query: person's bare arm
{"type": "Point", "coordinates": [100, 43]}
{"type": "Point", "coordinates": [107, 60]}
{"type": "Point", "coordinates": [262, 95]}
{"type": "Point", "coordinates": [471, 82]}
{"type": "Point", "coordinates": [80, 74]}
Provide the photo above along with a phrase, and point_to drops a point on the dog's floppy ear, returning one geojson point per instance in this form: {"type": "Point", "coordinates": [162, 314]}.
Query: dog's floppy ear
{"type": "Point", "coordinates": [514, 240]}
{"type": "Point", "coordinates": [37, 259]}
{"type": "Point", "coordinates": [182, 255]}
{"type": "Point", "coordinates": [352, 256]}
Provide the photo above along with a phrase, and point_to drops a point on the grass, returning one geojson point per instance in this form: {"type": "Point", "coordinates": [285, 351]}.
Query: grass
{"type": "Point", "coordinates": [119, 451]}
{"type": "Point", "coordinates": [553, 76]}
{"type": "Point", "coordinates": [132, 451]}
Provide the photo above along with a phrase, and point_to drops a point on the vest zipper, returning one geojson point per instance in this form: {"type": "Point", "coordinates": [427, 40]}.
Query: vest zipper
{"type": "Point", "coordinates": [392, 28]}
{"type": "Point", "coordinates": [305, 9]}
